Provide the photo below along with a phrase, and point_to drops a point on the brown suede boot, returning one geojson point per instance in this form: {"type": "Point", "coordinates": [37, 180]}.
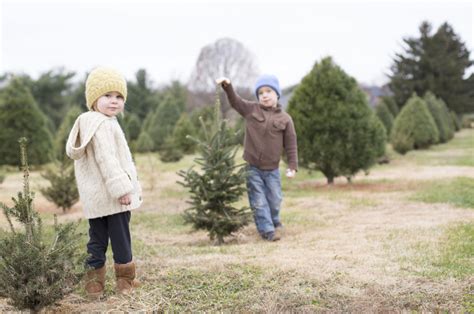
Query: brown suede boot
{"type": "Point", "coordinates": [125, 275]}
{"type": "Point", "coordinates": [95, 283]}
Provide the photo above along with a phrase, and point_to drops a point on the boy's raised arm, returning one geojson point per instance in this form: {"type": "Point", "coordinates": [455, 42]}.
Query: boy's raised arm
{"type": "Point", "coordinates": [243, 107]}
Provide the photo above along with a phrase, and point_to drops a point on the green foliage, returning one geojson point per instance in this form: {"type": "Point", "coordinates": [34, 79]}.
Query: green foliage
{"type": "Point", "coordinates": [170, 151]}
{"type": "Point", "coordinates": [217, 185]}
{"type": "Point", "coordinates": [141, 98]}
{"type": "Point", "coordinates": [205, 114]}
{"type": "Point", "coordinates": [414, 127]}
{"type": "Point", "coordinates": [20, 116]}
{"type": "Point", "coordinates": [183, 128]}
{"type": "Point", "coordinates": [144, 143]}
{"type": "Point", "coordinates": [35, 272]}
{"type": "Point", "coordinates": [132, 126]}
{"type": "Point", "coordinates": [337, 132]}
{"type": "Point", "coordinates": [385, 116]}
{"type": "Point", "coordinates": [434, 63]}
{"type": "Point", "coordinates": [441, 116]}
{"type": "Point", "coordinates": [391, 105]}
{"type": "Point", "coordinates": [3, 175]}
{"type": "Point", "coordinates": [63, 189]}
{"type": "Point", "coordinates": [456, 121]}
{"type": "Point", "coordinates": [63, 132]}
{"type": "Point", "coordinates": [468, 121]}
{"type": "Point", "coordinates": [161, 123]}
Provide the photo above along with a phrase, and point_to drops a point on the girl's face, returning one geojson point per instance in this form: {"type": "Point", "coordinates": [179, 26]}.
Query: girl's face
{"type": "Point", "coordinates": [267, 96]}
{"type": "Point", "coordinates": [110, 104]}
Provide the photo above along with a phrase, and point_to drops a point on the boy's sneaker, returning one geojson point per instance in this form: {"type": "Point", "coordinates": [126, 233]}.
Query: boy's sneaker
{"type": "Point", "coordinates": [271, 236]}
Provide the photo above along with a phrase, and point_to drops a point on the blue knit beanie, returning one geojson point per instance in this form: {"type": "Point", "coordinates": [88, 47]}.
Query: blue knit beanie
{"type": "Point", "coordinates": [270, 81]}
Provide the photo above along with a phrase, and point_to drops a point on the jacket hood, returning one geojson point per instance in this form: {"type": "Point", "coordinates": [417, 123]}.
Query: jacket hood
{"type": "Point", "coordinates": [82, 132]}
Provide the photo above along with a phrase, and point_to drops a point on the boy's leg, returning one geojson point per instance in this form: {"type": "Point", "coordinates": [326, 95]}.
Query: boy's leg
{"type": "Point", "coordinates": [119, 233]}
{"type": "Point", "coordinates": [258, 201]}
{"type": "Point", "coordinates": [274, 195]}
{"type": "Point", "coordinates": [98, 242]}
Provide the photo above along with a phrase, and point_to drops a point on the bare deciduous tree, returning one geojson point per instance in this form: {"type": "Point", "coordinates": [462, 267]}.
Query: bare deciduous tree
{"type": "Point", "coordinates": [225, 57]}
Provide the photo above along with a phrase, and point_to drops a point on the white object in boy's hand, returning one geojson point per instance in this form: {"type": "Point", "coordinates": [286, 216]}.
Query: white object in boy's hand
{"type": "Point", "coordinates": [222, 81]}
{"type": "Point", "coordinates": [290, 173]}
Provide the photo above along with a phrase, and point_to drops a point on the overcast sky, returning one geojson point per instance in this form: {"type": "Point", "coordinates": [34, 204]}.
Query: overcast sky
{"type": "Point", "coordinates": [165, 37]}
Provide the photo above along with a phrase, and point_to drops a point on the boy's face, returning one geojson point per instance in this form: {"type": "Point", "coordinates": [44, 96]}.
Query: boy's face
{"type": "Point", "coordinates": [267, 96]}
{"type": "Point", "coordinates": [110, 104]}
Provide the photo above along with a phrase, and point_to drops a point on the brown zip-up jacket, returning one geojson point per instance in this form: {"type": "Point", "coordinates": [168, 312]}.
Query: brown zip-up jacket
{"type": "Point", "coordinates": [267, 132]}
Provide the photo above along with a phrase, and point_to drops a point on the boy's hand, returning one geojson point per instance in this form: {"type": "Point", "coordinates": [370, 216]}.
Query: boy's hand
{"type": "Point", "coordinates": [224, 81]}
{"type": "Point", "coordinates": [125, 200]}
{"type": "Point", "coordinates": [290, 173]}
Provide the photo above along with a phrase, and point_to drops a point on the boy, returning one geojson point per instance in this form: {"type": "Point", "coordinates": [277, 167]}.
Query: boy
{"type": "Point", "coordinates": [268, 131]}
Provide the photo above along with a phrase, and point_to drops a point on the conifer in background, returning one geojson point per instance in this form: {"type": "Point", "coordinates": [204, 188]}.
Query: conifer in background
{"type": "Point", "coordinates": [37, 270]}
{"type": "Point", "coordinates": [441, 116]}
{"type": "Point", "coordinates": [20, 116]}
{"type": "Point", "coordinates": [218, 184]}
{"type": "Point", "coordinates": [385, 116]}
{"type": "Point", "coordinates": [414, 127]}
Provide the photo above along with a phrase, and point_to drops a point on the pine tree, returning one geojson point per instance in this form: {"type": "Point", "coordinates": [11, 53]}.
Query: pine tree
{"type": "Point", "coordinates": [441, 116]}
{"type": "Point", "coordinates": [182, 129]}
{"type": "Point", "coordinates": [170, 151]}
{"type": "Point", "coordinates": [385, 116]}
{"type": "Point", "coordinates": [391, 105]}
{"type": "Point", "coordinates": [218, 184]}
{"type": "Point", "coordinates": [35, 270]}
{"type": "Point", "coordinates": [334, 123]}
{"type": "Point", "coordinates": [63, 189]}
{"type": "Point", "coordinates": [20, 116]}
{"type": "Point", "coordinates": [456, 121]}
{"type": "Point", "coordinates": [435, 63]}
{"type": "Point", "coordinates": [414, 127]}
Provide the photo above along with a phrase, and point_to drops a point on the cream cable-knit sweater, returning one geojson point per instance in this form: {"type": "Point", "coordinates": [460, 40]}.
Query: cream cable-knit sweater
{"type": "Point", "coordinates": [103, 165]}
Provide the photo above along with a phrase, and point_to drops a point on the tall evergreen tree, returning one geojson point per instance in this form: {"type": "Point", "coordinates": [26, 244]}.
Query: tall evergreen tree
{"type": "Point", "coordinates": [21, 117]}
{"type": "Point", "coordinates": [37, 270]}
{"type": "Point", "coordinates": [436, 63]}
{"type": "Point", "coordinates": [336, 131]}
{"type": "Point", "coordinates": [182, 130]}
{"type": "Point", "coordinates": [142, 98]}
{"type": "Point", "coordinates": [217, 185]}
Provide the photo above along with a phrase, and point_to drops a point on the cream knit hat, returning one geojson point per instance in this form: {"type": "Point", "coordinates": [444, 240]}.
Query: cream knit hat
{"type": "Point", "coordinates": [103, 80]}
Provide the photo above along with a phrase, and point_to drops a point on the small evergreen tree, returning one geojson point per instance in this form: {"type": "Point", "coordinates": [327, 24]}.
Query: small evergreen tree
{"type": "Point", "coordinates": [182, 129]}
{"type": "Point", "coordinates": [132, 126]}
{"type": "Point", "coordinates": [20, 116]}
{"type": "Point", "coordinates": [334, 123]}
{"type": "Point", "coordinates": [63, 189]}
{"type": "Point", "coordinates": [217, 185]}
{"type": "Point", "coordinates": [414, 127]}
{"type": "Point", "coordinates": [441, 117]}
{"type": "Point", "coordinates": [385, 116]}
{"type": "Point", "coordinates": [35, 272]}
{"type": "Point", "coordinates": [144, 143]}
{"type": "Point", "coordinates": [170, 151]}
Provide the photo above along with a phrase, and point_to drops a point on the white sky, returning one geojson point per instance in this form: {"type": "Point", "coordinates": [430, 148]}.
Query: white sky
{"type": "Point", "coordinates": [165, 37]}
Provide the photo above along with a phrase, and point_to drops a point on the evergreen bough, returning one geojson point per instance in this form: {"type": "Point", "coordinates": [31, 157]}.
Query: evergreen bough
{"type": "Point", "coordinates": [218, 184]}
{"type": "Point", "coordinates": [36, 270]}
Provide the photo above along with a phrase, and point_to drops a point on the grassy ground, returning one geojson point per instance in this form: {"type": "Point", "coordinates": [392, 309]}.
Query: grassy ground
{"type": "Point", "coordinates": [399, 239]}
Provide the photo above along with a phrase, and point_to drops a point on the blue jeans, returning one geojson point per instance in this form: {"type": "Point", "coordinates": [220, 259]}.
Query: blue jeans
{"type": "Point", "coordinates": [264, 191]}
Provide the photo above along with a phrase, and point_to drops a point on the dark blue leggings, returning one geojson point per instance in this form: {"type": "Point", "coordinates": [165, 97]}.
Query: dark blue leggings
{"type": "Point", "coordinates": [115, 227]}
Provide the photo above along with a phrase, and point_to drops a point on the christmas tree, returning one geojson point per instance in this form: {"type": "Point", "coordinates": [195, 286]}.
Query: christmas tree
{"type": "Point", "coordinates": [218, 184]}
{"type": "Point", "coordinates": [36, 272]}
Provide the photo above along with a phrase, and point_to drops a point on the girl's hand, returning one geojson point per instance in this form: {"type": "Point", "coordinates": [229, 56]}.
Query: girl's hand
{"type": "Point", "coordinates": [290, 173]}
{"type": "Point", "coordinates": [125, 200]}
{"type": "Point", "coordinates": [224, 81]}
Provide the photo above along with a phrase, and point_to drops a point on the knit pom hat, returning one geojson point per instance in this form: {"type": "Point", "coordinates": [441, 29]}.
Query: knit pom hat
{"type": "Point", "coordinates": [270, 81]}
{"type": "Point", "coordinates": [103, 80]}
